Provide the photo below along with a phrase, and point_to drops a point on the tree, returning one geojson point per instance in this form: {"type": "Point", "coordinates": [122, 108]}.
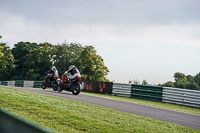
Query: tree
{"type": "Point", "coordinates": [22, 61]}
{"type": "Point", "coordinates": [178, 76]}
{"type": "Point", "coordinates": [144, 82]}
{"type": "Point", "coordinates": [197, 79]}
{"type": "Point", "coordinates": [136, 82]}
{"type": "Point", "coordinates": [190, 78]}
{"type": "Point", "coordinates": [61, 57]}
{"type": "Point", "coordinates": [1, 53]}
{"type": "Point", "coordinates": [40, 56]}
{"type": "Point", "coordinates": [6, 63]}
{"type": "Point", "coordinates": [29, 57]}
{"type": "Point", "coordinates": [66, 55]}
{"type": "Point", "coordinates": [192, 86]}
{"type": "Point", "coordinates": [168, 84]}
{"type": "Point", "coordinates": [180, 80]}
{"type": "Point", "coordinates": [1, 49]}
{"type": "Point", "coordinates": [181, 83]}
{"type": "Point", "coordinates": [91, 65]}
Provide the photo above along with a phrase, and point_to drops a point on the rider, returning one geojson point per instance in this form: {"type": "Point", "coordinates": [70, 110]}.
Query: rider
{"type": "Point", "coordinates": [53, 71]}
{"type": "Point", "coordinates": [72, 73]}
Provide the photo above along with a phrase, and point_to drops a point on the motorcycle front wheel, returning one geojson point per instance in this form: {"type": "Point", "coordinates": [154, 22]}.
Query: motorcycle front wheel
{"type": "Point", "coordinates": [76, 89]}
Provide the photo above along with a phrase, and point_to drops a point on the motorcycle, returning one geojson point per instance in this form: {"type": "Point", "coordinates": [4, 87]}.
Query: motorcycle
{"type": "Point", "coordinates": [54, 82]}
{"type": "Point", "coordinates": [75, 86]}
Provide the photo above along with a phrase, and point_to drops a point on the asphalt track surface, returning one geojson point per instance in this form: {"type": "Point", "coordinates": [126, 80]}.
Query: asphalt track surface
{"type": "Point", "coordinates": [181, 118]}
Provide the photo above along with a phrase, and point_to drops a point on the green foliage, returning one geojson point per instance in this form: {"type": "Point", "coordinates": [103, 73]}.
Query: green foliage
{"type": "Point", "coordinates": [29, 61]}
{"type": "Point", "coordinates": [23, 60]}
{"type": "Point", "coordinates": [190, 78]}
{"type": "Point", "coordinates": [144, 82]}
{"type": "Point", "coordinates": [1, 54]}
{"type": "Point", "coordinates": [181, 83]}
{"type": "Point", "coordinates": [184, 81]}
{"type": "Point", "coordinates": [197, 79]}
{"type": "Point", "coordinates": [1, 49]}
{"type": "Point", "coordinates": [92, 66]}
{"type": "Point", "coordinates": [192, 86]}
{"type": "Point", "coordinates": [168, 84]}
{"type": "Point", "coordinates": [178, 76]}
{"type": "Point", "coordinates": [6, 62]}
{"type": "Point", "coordinates": [66, 55]}
{"type": "Point", "coordinates": [29, 57]}
{"type": "Point", "coordinates": [43, 57]}
{"type": "Point", "coordinates": [136, 82]}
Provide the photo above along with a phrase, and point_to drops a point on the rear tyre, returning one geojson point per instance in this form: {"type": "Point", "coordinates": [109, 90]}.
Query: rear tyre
{"type": "Point", "coordinates": [55, 85]}
{"type": "Point", "coordinates": [43, 85]}
{"type": "Point", "coordinates": [59, 89]}
{"type": "Point", "coordinates": [76, 89]}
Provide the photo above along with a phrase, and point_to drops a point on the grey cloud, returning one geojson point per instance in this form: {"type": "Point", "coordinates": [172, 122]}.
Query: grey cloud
{"type": "Point", "coordinates": [105, 11]}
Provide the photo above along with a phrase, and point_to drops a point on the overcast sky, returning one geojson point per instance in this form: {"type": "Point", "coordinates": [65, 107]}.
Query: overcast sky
{"type": "Point", "coordinates": [138, 39]}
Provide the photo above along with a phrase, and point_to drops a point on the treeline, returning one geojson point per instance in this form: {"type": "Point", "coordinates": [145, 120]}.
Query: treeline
{"type": "Point", "coordinates": [29, 61]}
{"type": "Point", "coordinates": [181, 81]}
{"type": "Point", "coordinates": [184, 81]}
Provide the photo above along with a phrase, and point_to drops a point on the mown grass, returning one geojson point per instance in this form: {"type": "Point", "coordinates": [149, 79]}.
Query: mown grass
{"type": "Point", "coordinates": [180, 108]}
{"type": "Point", "coordinates": [70, 116]}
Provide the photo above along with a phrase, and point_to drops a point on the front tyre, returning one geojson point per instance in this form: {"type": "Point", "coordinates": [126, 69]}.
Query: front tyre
{"type": "Point", "coordinates": [76, 89]}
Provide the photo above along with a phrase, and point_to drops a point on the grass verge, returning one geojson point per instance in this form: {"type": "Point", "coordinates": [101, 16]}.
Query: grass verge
{"type": "Point", "coordinates": [65, 115]}
{"type": "Point", "coordinates": [175, 107]}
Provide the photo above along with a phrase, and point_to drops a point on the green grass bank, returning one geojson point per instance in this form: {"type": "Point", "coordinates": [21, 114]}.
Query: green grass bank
{"type": "Point", "coordinates": [70, 116]}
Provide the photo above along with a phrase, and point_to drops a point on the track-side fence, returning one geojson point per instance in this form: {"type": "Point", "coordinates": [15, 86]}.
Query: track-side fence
{"type": "Point", "coordinates": [181, 96]}
{"type": "Point", "coordinates": [23, 83]}
{"type": "Point", "coordinates": [178, 96]}
{"type": "Point", "coordinates": [123, 90]}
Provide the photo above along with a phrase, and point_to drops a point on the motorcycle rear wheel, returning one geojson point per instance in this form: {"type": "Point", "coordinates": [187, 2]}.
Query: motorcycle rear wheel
{"type": "Point", "coordinates": [43, 85]}
{"type": "Point", "coordinates": [55, 86]}
{"type": "Point", "coordinates": [77, 89]}
{"type": "Point", "coordinates": [59, 89]}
